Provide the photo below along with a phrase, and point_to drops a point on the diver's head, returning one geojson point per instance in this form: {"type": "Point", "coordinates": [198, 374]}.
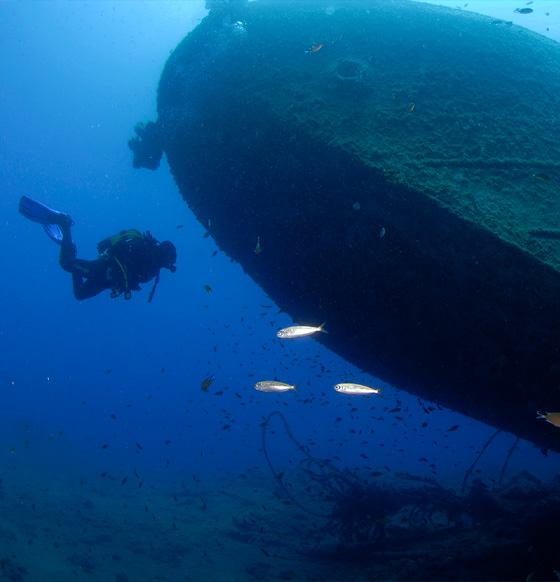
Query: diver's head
{"type": "Point", "coordinates": [167, 255]}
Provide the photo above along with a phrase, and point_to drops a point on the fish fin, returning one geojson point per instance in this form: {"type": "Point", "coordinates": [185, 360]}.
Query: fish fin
{"type": "Point", "coordinates": [322, 327]}
{"type": "Point", "coordinates": [542, 415]}
{"type": "Point", "coordinates": [294, 388]}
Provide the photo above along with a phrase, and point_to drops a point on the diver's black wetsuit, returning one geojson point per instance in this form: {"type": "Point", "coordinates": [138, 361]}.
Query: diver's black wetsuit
{"type": "Point", "coordinates": [96, 273]}
{"type": "Point", "coordinates": [136, 263]}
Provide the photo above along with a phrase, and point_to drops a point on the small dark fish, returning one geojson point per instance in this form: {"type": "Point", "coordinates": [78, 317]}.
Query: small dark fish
{"type": "Point", "coordinates": [179, 226]}
{"type": "Point", "coordinates": [103, 447]}
{"type": "Point", "coordinates": [455, 427]}
{"type": "Point", "coordinates": [109, 371]}
{"type": "Point", "coordinates": [264, 552]}
{"type": "Point", "coordinates": [112, 416]}
{"type": "Point", "coordinates": [472, 199]}
{"type": "Point", "coordinates": [541, 176]}
{"type": "Point", "coordinates": [206, 383]}
{"type": "Point", "coordinates": [206, 234]}
{"type": "Point", "coordinates": [123, 481]}
{"type": "Point", "coordinates": [524, 10]}
{"type": "Point", "coordinates": [139, 446]}
{"type": "Point", "coordinates": [314, 48]}
{"type": "Point", "coordinates": [410, 108]}
{"type": "Point", "coordinates": [208, 288]}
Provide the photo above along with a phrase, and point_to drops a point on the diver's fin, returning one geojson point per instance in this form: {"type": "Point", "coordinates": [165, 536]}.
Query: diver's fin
{"type": "Point", "coordinates": [46, 216]}
{"type": "Point", "coordinates": [54, 232]}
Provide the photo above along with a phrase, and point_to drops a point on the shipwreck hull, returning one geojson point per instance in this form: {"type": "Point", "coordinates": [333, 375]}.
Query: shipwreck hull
{"type": "Point", "coordinates": [416, 233]}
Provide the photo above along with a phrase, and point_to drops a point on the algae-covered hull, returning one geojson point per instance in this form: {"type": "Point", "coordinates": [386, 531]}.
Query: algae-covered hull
{"type": "Point", "coordinates": [401, 179]}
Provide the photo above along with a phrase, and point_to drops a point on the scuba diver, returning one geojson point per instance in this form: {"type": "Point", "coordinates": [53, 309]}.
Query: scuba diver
{"type": "Point", "coordinates": [125, 259]}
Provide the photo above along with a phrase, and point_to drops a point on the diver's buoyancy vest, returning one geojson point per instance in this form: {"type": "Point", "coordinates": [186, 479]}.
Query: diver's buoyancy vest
{"type": "Point", "coordinates": [107, 245]}
{"type": "Point", "coordinates": [118, 247]}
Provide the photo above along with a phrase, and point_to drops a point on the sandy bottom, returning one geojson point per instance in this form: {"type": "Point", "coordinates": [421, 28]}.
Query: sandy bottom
{"type": "Point", "coordinates": [237, 527]}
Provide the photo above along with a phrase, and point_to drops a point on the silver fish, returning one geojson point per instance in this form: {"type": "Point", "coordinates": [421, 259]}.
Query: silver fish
{"type": "Point", "coordinates": [299, 331]}
{"type": "Point", "coordinates": [274, 386]}
{"type": "Point", "coordinates": [351, 388]}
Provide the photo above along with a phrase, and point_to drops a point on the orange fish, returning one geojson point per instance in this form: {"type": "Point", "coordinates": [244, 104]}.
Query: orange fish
{"type": "Point", "coordinates": [314, 48]}
{"type": "Point", "coordinates": [410, 108]}
{"type": "Point", "coordinates": [552, 417]}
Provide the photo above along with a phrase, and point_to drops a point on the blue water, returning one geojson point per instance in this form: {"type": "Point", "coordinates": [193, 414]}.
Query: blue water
{"type": "Point", "coordinates": [74, 80]}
